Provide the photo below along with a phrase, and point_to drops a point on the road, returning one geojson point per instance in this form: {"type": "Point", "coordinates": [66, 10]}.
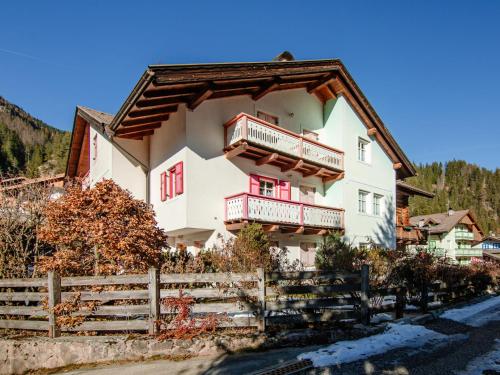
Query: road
{"type": "Point", "coordinates": [462, 352]}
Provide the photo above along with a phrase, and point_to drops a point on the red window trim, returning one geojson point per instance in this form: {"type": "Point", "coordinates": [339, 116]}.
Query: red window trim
{"type": "Point", "coordinates": [174, 177]}
{"type": "Point", "coordinates": [277, 186]}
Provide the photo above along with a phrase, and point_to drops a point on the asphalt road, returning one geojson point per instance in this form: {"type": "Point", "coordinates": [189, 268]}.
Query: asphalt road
{"type": "Point", "coordinates": [465, 345]}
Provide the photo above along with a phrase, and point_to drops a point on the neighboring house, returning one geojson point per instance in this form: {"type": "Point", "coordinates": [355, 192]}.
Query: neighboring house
{"type": "Point", "coordinates": [406, 233]}
{"type": "Point", "coordinates": [490, 246]}
{"type": "Point", "coordinates": [12, 187]}
{"type": "Point", "coordinates": [294, 145]}
{"type": "Point", "coordinates": [451, 234]}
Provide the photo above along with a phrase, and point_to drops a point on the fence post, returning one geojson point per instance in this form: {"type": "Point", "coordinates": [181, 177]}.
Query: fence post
{"type": "Point", "coordinates": [365, 294]}
{"type": "Point", "coordinates": [424, 297]}
{"type": "Point", "coordinates": [400, 302]}
{"type": "Point", "coordinates": [261, 284]}
{"type": "Point", "coordinates": [154, 300]}
{"type": "Point", "coordinates": [54, 291]}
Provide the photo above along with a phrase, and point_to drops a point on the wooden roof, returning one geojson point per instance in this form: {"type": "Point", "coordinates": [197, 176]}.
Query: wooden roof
{"type": "Point", "coordinates": [163, 88]}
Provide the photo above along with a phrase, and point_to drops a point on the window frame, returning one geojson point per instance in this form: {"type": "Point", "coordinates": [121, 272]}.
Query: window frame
{"type": "Point", "coordinates": [267, 180]}
{"type": "Point", "coordinates": [363, 150]}
{"type": "Point", "coordinates": [377, 203]}
{"type": "Point", "coordinates": [170, 180]}
{"type": "Point", "coordinates": [365, 194]}
{"type": "Point", "coordinates": [266, 116]}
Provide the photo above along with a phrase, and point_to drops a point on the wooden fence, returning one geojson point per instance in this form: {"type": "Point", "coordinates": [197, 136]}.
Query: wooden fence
{"type": "Point", "coordinates": [134, 302]}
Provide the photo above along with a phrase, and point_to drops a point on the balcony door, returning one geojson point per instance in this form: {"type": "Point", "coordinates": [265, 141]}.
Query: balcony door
{"type": "Point", "coordinates": [307, 194]}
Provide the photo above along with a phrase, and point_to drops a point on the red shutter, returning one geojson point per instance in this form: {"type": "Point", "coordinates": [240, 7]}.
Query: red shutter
{"type": "Point", "coordinates": [285, 192]}
{"type": "Point", "coordinates": [163, 186]}
{"type": "Point", "coordinates": [254, 184]}
{"type": "Point", "coordinates": [179, 178]}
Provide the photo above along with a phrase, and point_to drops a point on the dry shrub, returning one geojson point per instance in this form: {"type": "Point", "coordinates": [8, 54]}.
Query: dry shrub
{"type": "Point", "coordinates": [21, 214]}
{"type": "Point", "coordinates": [183, 324]}
{"type": "Point", "coordinates": [103, 231]}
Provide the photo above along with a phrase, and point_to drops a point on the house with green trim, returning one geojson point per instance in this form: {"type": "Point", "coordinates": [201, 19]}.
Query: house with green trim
{"type": "Point", "coordinates": [451, 234]}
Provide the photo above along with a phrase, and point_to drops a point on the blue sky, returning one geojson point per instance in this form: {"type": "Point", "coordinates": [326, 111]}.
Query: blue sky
{"type": "Point", "coordinates": [430, 69]}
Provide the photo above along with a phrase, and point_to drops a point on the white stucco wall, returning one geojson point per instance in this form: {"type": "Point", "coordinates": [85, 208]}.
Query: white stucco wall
{"type": "Point", "coordinates": [100, 163]}
{"type": "Point", "coordinates": [342, 129]}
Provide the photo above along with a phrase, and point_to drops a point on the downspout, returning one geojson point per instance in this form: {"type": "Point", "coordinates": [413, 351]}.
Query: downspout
{"type": "Point", "coordinates": [144, 167]}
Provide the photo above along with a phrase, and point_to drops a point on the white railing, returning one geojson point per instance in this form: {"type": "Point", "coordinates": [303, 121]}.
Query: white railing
{"type": "Point", "coordinates": [468, 252]}
{"type": "Point", "coordinates": [463, 235]}
{"type": "Point", "coordinates": [252, 207]}
{"type": "Point", "coordinates": [274, 138]}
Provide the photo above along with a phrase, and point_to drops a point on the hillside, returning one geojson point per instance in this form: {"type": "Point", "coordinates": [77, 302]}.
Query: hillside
{"type": "Point", "coordinates": [29, 146]}
{"type": "Point", "coordinates": [459, 185]}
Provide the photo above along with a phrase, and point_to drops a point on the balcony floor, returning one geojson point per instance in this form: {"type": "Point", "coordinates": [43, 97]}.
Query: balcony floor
{"type": "Point", "coordinates": [235, 226]}
{"type": "Point", "coordinates": [286, 163]}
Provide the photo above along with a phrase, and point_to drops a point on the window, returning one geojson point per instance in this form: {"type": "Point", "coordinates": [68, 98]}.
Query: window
{"type": "Point", "coordinates": [270, 187]}
{"type": "Point", "coordinates": [307, 253]}
{"type": "Point", "coordinates": [377, 201]}
{"type": "Point", "coordinates": [173, 181]}
{"type": "Point", "coordinates": [432, 244]}
{"type": "Point", "coordinates": [268, 118]}
{"type": "Point", "coordinates": [362, 150]}
{"type": "Point", "coordinates": [362, 196]}
{"type": "Point", "coordinates": [266, 187]}
{"type": "Point", "coordinates": [94, 147]}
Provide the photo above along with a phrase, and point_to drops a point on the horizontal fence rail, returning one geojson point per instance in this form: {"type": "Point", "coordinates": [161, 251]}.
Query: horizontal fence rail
{"type": "Point", "coordinates": [129, 303]}
{"type": "Point", "coordinates": [124, 303]}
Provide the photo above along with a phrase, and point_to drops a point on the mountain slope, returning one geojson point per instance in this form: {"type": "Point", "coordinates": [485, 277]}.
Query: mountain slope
{"type": "Point", "coordinates": [29, 146]}
{"type": "Point", "coordinates": [459, 185]}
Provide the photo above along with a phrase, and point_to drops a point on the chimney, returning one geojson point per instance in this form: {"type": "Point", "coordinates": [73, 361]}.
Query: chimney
{"type": "Point", "coordinates": [450, 212]}
{"type": "Point", "coordinates": [284, 56]}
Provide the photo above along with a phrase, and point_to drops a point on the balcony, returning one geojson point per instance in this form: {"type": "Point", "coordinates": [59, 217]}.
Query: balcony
{"type": "Point", "coordinates": [281, 215]}
{"type": "Point", "coordinates": [463, 235]}
{"type": "Point", "coordinates": [439, 252]}
{"type": "Point", "coordinates": [256, 139]}
{"type": "Point", "coordinates": [408, 235]}
{"type": "Point", "coordinates": [469, 252]}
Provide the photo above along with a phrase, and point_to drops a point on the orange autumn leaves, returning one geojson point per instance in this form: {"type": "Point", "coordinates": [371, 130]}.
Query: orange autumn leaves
{"type": "Point", "coordinates": [100, 231]}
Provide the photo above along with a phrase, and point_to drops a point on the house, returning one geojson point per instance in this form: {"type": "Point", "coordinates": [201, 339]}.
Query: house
{"type": "Point", "coordinates": [490, 246]}
{"type": "Point", "coordinates": [451, 234]}
{"type": "Point", "coordinates": [16, 186]}
{"type": "Point", "coordinates": [294, 145]}
{"type": "Point", "coordinates": [406, 233]}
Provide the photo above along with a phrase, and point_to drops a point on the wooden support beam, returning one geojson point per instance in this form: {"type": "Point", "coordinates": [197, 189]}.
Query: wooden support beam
{"type": "Point", "coordinates": [293, 166]}
{"type": "Point", "coordinates": [236, 151]}
{"type": "Point", "coordinates": [201, 97]}
{"type": "Point", "coordinates": [138, 128]}
{"type": "Point", "coordinates": [145, 103]}
{"type": "Point", "coordinates": [371, 132]}
{"type": "Point", "coordinates": [267, 159]}
{"type": "Point", "coordinates": [236, 226]}
{"type": "Point", "coordinates": [336, 177]}
{"type": "Point", "coordinates": [321, 83]}
{"type": "Point", "coordinates": [298, 230]}
{"type": "Point", "coordinates": [137, 135]}
{"type": "Point", "coordinates": [165, 91]}
{"type": "Point", "coordinates": [330, 92]}
{"type": "Point", "coordinates": [266, 89]}
{"type": "Point", "coordinates": [397, 165]}
{"type": "Point", "coordinates": [271, 228]}
{"type": "Point", "coordinates": [319, 172]}
{"type": "Point", "coordinates": [156, 110]}
{"type": "Point", "coordinates": [145, 120]}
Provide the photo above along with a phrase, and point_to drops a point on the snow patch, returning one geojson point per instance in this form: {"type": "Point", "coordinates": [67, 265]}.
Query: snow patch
{"type": "Point", "coordinates": [476, 315]}
{"type": "Point", "coordinates": [395, 336]}
{"type": "Point", "coordinates": [379, 318]}
{"type": "Point", "coordinates": [489, 361]}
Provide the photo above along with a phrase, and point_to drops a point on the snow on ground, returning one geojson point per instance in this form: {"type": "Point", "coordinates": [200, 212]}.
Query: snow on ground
{"type": "Point", "coordinates": [476, 315]}
{"type": "Point", "coordinates": [382, 317]}
{"type": "Point", "coordinates": [489, 361]}
{"type": "Point", "coordinates": [395, 336]}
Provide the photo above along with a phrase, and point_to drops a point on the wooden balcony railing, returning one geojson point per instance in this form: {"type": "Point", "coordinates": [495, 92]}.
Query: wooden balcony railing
{"type": "Point", "coordinates": [254, 138]}
{"type": "Point", "coordinates": [463, 235]}
{"type": "Point", "coordinates": [246, 207]}
{"type": "Point", "coordinates": [469, 252]}
{"type": "Point", "coordinates": [410, 236]}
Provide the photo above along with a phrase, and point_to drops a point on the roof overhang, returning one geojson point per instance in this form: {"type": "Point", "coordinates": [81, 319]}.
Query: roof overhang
{"type": "Point", "coordinates": [163, 88]}
{"type": "Point", "coordinates": [408, 189]}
